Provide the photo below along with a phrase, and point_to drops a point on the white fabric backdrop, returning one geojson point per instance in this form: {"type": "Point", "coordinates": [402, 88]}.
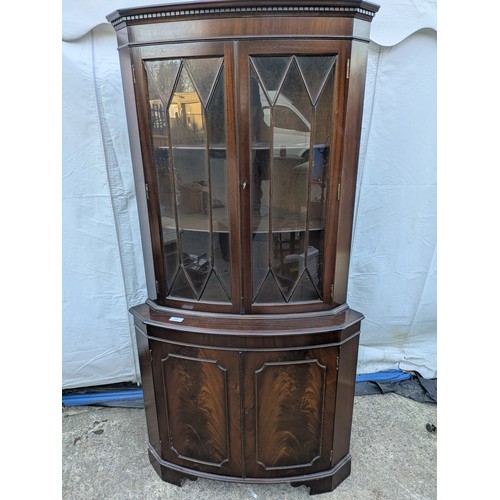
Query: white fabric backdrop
{"type": "Point", "coordinates": [393, 263]}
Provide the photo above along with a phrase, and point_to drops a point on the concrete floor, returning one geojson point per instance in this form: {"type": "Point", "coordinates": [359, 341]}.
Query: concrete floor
{"type": "Point", "coordinates": [394, 457]}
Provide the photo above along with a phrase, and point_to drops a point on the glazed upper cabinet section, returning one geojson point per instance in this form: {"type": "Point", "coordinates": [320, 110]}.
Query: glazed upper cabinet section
{"type": "Point", "coordinates": [240, 157]}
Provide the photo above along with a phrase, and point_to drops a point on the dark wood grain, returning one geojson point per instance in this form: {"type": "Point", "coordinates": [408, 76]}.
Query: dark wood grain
{"type": "Point", "coordinates": [199, 397]}
{"type": "Point", "coordinates": [348, 358]}
{"type": "Point", "coordinates": [148, 388]}
{"type": "Point", "coordinates": [233, 172]}
{"type": "Point", "coordinates": [289, 413]}
{"type": "Point", "coordinates": [151, 201]}
{"type": "Point", "coordinates": [196, 397]}
{"type": "Point", "coordinates": [289, 406]}
{"type": "Point", "coordinates": [348, 176]}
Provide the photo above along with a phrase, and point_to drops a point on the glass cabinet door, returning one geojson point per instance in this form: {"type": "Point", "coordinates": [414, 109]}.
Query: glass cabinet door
{"type": "Point", "coordinates": [186, 98]}
{"type": "Point", "coordinates": [291, 100]}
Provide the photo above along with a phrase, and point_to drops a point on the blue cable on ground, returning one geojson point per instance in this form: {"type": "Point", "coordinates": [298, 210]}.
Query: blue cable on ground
{"type": "Point", "coordinates": [385, 376]}
{"type": "Point", "coordinates": [103, 397]}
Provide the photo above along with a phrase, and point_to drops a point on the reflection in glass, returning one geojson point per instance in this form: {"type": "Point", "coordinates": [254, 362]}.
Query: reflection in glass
{"type": "Point", "coordinates": [315, 70]}
{"type": "Point", "coordinates": [292, 99]}
{"type": "Point", "coordinates": [188, 139]}
{"type": "Point", "coordinates": [204, 75]}
{"type": "Point", "coordinates": [259, 186]}
{"type": "Point", "coordinates": [161, 79]}
{"type": "Point", "coordinates": [186, 98]}
{"type": "Point", "coordinates": [291, 137]}
{"type": "Point", "coordinates": [271, 72]}
{"type": "Point", "coordinates": [216, 120]}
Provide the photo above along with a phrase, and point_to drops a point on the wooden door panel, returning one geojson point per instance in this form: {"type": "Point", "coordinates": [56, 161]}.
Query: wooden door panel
{"type": "Point", "coordinates": [196, 399]}
{"type": "Point", "coordinates": [199, 419]}
{"type": "Point", "coordinates": [289, 401]}
{"type": "Point", "coordinates": [289, 398]}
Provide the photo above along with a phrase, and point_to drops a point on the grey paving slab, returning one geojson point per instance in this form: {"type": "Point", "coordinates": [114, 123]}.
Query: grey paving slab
{"type": "Point", "coordinates": [104, 456]}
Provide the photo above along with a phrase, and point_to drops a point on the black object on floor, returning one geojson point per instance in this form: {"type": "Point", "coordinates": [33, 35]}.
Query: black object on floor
{"type": "Point", "coordinates": [416, 388]}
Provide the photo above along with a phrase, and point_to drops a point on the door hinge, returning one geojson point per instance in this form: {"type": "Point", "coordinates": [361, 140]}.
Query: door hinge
{"type": "Point", "coordinates": [331, 292]}
{"type": "Point", "coordinates": [151, 355]}
{"type": "Point", "coordinates": [147, 192]}
{"type": "Point", "coordinates": [133, 74]}
{"type": "Point", "coordinates": [338, 191]}
{"type": "Point", "coordinates": [331, 456]}
{"type": "Point", "coordinates": [348, 69]}
{"type": "Point", "coordinates": [157, 286]}
{"type": "Point", "coordinates": [338, 363]}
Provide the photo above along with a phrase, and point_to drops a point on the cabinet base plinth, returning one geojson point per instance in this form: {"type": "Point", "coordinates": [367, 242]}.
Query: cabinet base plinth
{"type": "Point", "coordinates": [168, 474]}
{"type": "Point", "coordinates": [329, 483]}
{"type": "Point", "coordinates": [320, 482]}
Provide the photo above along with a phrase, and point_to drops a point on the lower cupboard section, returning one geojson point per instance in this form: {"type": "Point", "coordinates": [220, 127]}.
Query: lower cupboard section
{"type": "Point", "coordinates": [258, 416]}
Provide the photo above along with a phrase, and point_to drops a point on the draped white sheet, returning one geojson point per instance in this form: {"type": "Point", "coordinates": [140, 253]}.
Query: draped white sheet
{"type": "Point", "coordinates": [393, 263]}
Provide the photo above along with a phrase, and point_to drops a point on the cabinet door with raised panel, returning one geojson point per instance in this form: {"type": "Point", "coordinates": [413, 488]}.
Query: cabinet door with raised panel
{"type": "Point", "coordinates": [198, 407]}
{"type": "Point", "coordinates": [289, 400]}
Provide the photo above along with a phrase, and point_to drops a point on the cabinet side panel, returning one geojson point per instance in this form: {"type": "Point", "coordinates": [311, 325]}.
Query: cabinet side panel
{"type": "Point", "coordinates": [135, 149]}
{"type": "Point", "coordinates": [346, 382]}
{"type": "Point", "coordinates": [148, 389]}
{"type": "Point", "coordinates": [352, 133]}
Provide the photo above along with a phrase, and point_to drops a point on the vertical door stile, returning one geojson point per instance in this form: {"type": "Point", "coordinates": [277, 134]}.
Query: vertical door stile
{"type": "Point", "coordinates": [242, 79]}
{"type": "Point", "coordinates": [233, 158]}
{"type": "Point", "coordinates": [143, 112]}
{"type": "Point", "coordinates": [337, 138]}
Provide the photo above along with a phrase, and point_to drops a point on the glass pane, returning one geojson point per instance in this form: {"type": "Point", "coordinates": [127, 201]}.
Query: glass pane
{"type": "Point", "coordinates": [188, 119]}
{"type": "Point", "coordinates": [321, 155]}
{"type": "Point", "coordinates": [287, 250]}
{"type": "Point", "coordinates": [269, 292]}
{"type": "Point", "coordinates": [315, 70]}
{"type": "Point", "coordinates": [319, 180]}
{"type": "Point", "coordinates": [271, 71]}
{"type": "Point", "coordinates": [307, 286]}
{"type": "Point", "coordinates": [260, 116]}
{"type": "Point", "coordinates": [291, 138]}
{"type": "Point", "coordinates": [188, 139]}
{"type": "Point", "coordinates": [216, 119]}
{"type": "Point", "coordinates": [195, 258]}
{"type": "Point", "coordinates": [182, 287]}
{"type": "Point", "coordinates": [288, 203]}
{"type": "Point", "coordinates": [161, 77]}
{"type": "Point", "coordinates": [214, 290]}
{"type": "Point", "coordinates": [290, 179]}
{"type": "Point", "coordinates": [203, 73]}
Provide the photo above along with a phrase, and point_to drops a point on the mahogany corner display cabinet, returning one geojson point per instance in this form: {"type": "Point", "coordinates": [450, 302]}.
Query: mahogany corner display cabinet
{"type": "Point", "coordinates": [244, 120]}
